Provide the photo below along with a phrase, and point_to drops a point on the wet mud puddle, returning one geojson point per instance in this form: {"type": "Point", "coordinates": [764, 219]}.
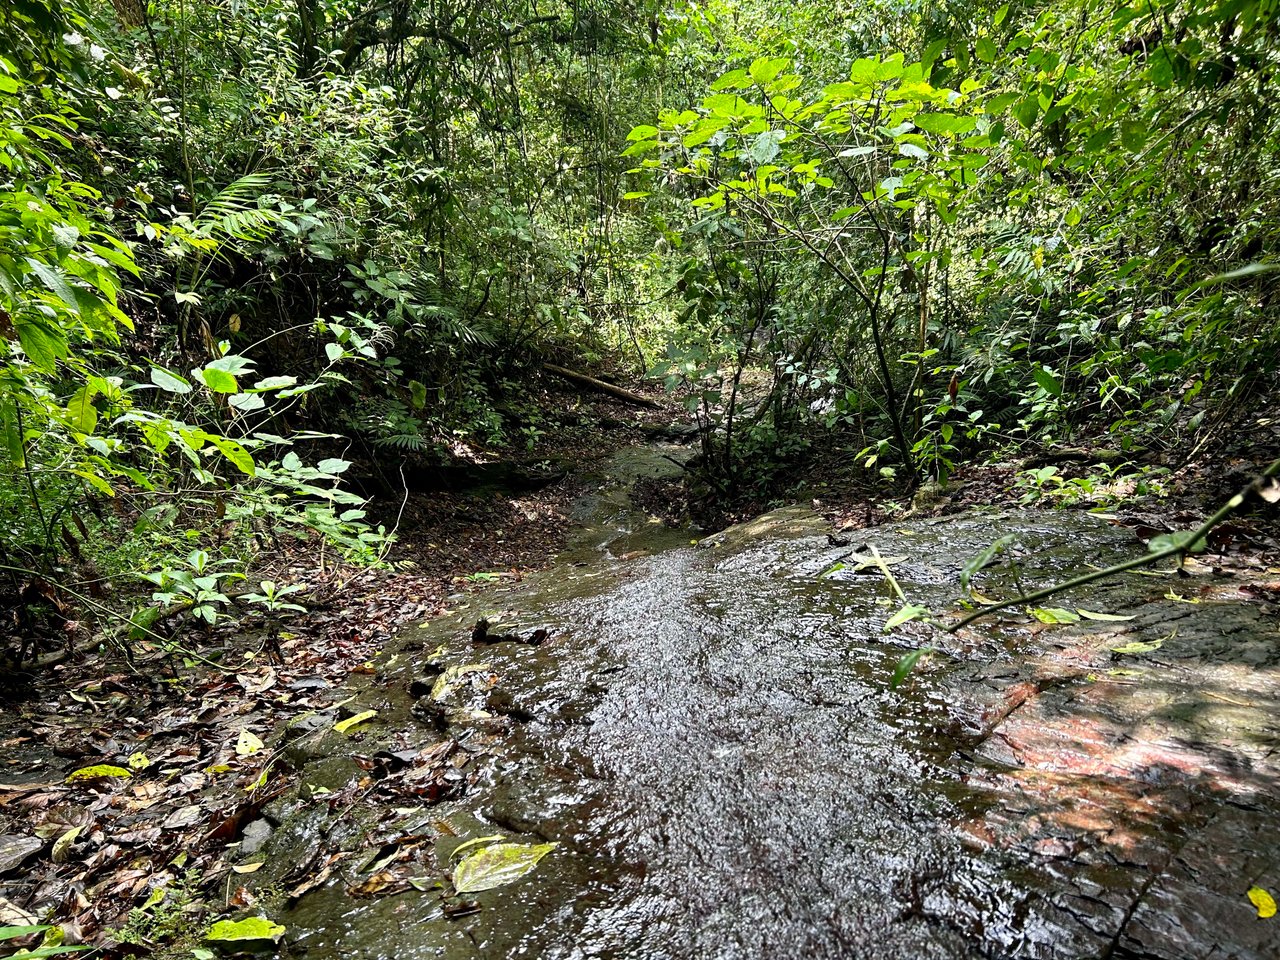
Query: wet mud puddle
{"type": "Point", "coordinates": [707, 735]}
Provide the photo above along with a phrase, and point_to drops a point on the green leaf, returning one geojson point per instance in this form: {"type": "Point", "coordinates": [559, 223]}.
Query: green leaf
{"type": "Point", "coordinates": [642, 132]}
{"type": "Point", "coordinates": [1091, 615]}
{"type": "Point", "coordinates": [247, 402]}
{"type": "Point", "coordinates": [498, 865]}
{"type": "Point", "coordinates": [1054, 615]}
{"type": "Point", "coordinates": [96, 481]}
{"type": "Point", "coordinates": [81, 413]}
{"type": "Point", "coordinates": [1048, 382]}
{"type": "Point", "coordinates": [101, 771]}
{"type": "Point", "coordinates": [1133, 134]}
{"type": "Point", "coordinates": [1179, 540]}
{"type": "Point", "coordinates": [1243, 273]}
{"type": "Point", "coordinates": [908, 613]}
{"type": "Point", "coordinates": [944, 123]}
{"type": "Point", "coordinates": [766, 69]}
{"type": "Point", "coordinates": [56, 281]}
{"type": "Point", "coordinates": [1139, 646]}
{"type": "Point", "coordinates": [982, 558]}
{"type": "Point", "coordinates": [906, 665]}
{"type": "Point", "coordinates": [219, 381]}
{"type": "Point", "coordinates": [12, 933]}
{"type": "Point", "coordinates": [333, 465]}
{"type": "Point", "coordinates": [1026, 111]}
{"type": "Point", "coordinates": [44, 345]}
{"type": "Point", "coordinates": [237, 454]}
{"type": "Point", "coordinates": [733, 80]}
{"type": "Point", "coordinates": [275, 383]}
{"type": "Point", "coordinates": [168, 381]}
{"type": "Point", "coordinates": [251, 928]}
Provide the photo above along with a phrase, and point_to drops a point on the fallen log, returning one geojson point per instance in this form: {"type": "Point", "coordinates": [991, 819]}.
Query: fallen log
{"type": "Point", "coordinates": [591, 383]}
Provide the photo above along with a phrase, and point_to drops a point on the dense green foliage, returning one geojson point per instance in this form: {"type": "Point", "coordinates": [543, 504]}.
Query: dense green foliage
{"type": "Point", "coordinates": [242, 245]}
{"type": "Point", "coordinates": [983, 225]}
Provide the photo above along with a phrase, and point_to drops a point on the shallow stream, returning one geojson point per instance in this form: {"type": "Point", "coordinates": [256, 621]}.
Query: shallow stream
{"type": "Point", "coordinates": [709, 736]}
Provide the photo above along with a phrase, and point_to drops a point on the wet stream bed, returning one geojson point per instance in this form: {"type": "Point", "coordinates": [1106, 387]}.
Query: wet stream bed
{"type": "Point", "coordinates": [707, 734]}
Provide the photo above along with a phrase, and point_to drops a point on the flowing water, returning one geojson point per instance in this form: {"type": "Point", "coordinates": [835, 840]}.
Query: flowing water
{"type": "Point", "coordinates": [709, 737]}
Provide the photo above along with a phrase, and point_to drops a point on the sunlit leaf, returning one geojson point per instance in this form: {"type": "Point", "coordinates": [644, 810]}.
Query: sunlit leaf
{"type": "Point", "coordinates": [1054, 615]}
{"type": "Point", "coordinates": [101, 771]}
{"type": "Point", "coordinates": [1265, 903]}
{"type": "Point", "coordinates": [1091, 615]}
{"type": "Point", "coordinates": [905, 615]}
{"type": "Point", "coordinates": [248, 743]}
{"type": "Point", "coordinates": [342, 726]}
{"type": "Point", "coordinates": [498, 865]}
{"type": "Point", "coordinates": [251, 928]}
{"type": "Point", "coordinates": [170, 382]}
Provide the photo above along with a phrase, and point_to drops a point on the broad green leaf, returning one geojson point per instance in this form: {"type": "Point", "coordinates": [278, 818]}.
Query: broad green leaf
{"type": "Point", "coordinates": [733, 80]}
{"type": "Point", "coordinates": [251, 928]}
{"type": "Point", "coordinates": [219, 381]}
{"type": "Point", "coordinates": [96, 482]}
{"type": "Point", "coordinates": [498, 865]}
{"type": "Point", "coordinates": [766, 69]}
{"type": "Point", "coordinates": [101, 771]}
{"type": "Point", "coordinates": [56, 281]}
{"type": "Point", "coordinates": [1026, 111]}
{"type": "Point", "coordinates": [943, 123]}
{"type": "Point", "coordinates": [275, 383]}
{"type": "Point", "coordinates": [1047, 381]}
{"type": "Point", "coordinates": [342, 726]}
{"type": "Point", "coordinates": [643, 132]}
{"type": "Point", "coordinates": [1133, 135]}
{"type": "Point", "coordinates": [247, 402]}
{"type": "Point", "coordinates": [44, 345]}
{"type": "Point", "coordinates": [232, 363]}
{"type": "Point", "coordinates": [237, 454]}
{"type": "Point", "coordinates": [169, 382]}
{"type": "Point", "coordinates": [81, 413]}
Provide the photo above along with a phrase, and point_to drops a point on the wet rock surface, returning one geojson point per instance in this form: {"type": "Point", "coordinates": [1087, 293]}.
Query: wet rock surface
{"type": "Point", "coordinates": [709, 737]}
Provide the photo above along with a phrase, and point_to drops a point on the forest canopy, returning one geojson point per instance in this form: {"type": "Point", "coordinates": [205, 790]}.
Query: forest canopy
{"type": "Point", "coordinates": [244, 246]}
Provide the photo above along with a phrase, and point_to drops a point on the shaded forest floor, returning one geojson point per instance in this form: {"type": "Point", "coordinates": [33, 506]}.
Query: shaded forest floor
{"type": "Point", "coordinates": [196, 740]}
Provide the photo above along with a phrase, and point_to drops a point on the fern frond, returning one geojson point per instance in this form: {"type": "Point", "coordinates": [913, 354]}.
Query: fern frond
{"type": "Point", "coordinates": [233, 214]}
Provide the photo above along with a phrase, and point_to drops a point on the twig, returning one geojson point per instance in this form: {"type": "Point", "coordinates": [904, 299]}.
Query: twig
{"type": "Point", "coordinates": [1175, 549]}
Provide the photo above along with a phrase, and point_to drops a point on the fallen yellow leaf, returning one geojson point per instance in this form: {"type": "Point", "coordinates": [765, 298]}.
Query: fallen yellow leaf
{"type": "Point", "coordinates": [1265, 903]}
{"type": "Point", "coordinates": [343, 726]}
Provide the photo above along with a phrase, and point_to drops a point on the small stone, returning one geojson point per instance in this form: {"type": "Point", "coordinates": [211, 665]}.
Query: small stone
{"type": "Point", "coordinates": [256, 834]}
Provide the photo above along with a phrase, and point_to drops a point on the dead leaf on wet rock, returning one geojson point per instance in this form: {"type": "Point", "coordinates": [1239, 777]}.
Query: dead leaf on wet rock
{"type": "Point", "coordinates": [495, 865]}
{"type": "Point", "coordinates": [14, 849]}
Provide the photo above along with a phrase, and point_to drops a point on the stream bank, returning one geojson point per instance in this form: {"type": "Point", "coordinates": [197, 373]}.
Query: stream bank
{"type": "Point", "coordinates": [707, 734]}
